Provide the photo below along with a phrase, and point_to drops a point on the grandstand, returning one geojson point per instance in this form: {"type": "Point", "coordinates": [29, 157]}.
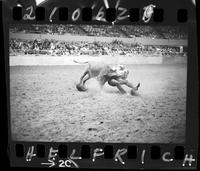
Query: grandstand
{"type": "Point", "coordinates": [98, 40]}
{"type": "Point", "coordinates": [54, 47]}
{"type": "Point", "coordinates": [156, 32]}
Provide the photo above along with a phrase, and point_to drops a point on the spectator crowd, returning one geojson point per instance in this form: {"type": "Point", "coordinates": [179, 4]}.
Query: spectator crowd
{"type": "Point", "coordinates": [160, 32]}
{"type": "Point", "coordinates": [58, 47]}
{"type": "Point", "coordinates": [54, 47]}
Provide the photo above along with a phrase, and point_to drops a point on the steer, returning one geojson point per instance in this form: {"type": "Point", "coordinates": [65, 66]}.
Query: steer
{"type": "Point", "coordinates": [115, 76]}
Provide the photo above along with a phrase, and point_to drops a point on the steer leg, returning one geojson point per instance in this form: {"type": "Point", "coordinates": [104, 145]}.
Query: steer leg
{"type": "Point", "coordinates": [83, 79]}
{"type": "Point", "coordinates": [87, 77]}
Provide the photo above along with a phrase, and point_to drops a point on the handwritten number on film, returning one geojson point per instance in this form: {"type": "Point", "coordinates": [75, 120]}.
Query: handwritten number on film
{"type": "Point", "coordinates": [29, 13]}
{"type": "Point", "coordinates": [100, 16]}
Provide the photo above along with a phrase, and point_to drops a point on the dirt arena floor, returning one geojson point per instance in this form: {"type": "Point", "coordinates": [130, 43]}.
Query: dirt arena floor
{"type": "Point", "coordinates": [45, 106]}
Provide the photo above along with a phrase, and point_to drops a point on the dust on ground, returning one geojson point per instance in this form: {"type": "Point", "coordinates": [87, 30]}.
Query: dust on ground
{"type": "Point", "coordinates": [45, 106]}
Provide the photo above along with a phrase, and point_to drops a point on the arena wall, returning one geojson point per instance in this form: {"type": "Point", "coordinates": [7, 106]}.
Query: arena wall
{"type": "Point", "coordinates": [29, 60]}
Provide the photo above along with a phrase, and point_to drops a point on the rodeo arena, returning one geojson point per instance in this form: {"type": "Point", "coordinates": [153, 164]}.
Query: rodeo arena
{"type": "Point", "coordinates": [57, 93]}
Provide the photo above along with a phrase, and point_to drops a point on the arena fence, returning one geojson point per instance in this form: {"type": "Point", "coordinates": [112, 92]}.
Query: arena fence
{"type": "Point", "coordinates": [29, 60]}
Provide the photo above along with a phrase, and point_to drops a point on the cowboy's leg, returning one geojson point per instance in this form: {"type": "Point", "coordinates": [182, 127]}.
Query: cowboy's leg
{"type": "Point", "coordinates": [128, 84]}
{"type": "Point", "coordinates": [114, 82]}
{"type": "Point", "coordinates": [125, 82]}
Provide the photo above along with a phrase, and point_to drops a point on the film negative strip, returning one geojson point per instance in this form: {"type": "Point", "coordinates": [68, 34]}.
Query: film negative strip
{"type": "Point", "coordinates": [102, 83]}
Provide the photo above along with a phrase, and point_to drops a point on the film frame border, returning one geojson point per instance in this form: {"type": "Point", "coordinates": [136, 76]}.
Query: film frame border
{"type": "Point", "coordinates": [49, 12]}
{"type": "Point", "coordinates": [191, 143]}
{"type": "Point", "coordinates": [123, 156]}
{"type": "Point", "coordinates": [86, 14]}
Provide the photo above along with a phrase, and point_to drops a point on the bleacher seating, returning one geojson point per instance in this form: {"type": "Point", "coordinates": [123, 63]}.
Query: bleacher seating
{"type": "Point", "coordinates": [85, 48]}
{"type": "Point", "coordinates": [103, 30]}
{"type": "Point", "coordinates": [157, 32]}
{"type": "Point", "coordinates": [140, 31]}
{"type": "Point", "coordinates": [173, 32]}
